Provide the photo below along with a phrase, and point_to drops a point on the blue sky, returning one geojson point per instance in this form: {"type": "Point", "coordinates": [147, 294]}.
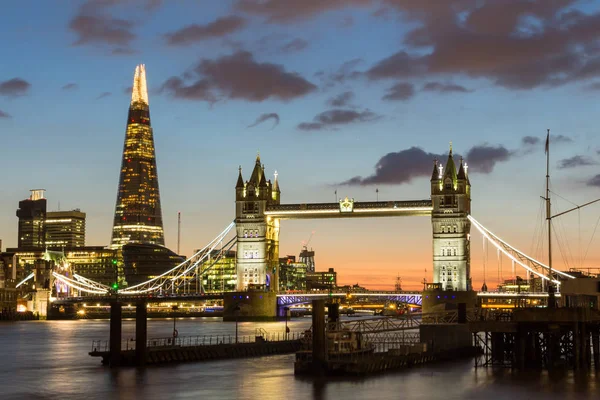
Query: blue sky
{"type": "Point", "coordinates": [530, 65]}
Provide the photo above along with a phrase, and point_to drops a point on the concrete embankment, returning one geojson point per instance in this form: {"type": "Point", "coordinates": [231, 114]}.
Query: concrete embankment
{"type": "Point", "coordinates": [177, 354]}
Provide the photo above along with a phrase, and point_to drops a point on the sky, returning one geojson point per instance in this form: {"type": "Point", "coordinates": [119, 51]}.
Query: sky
{"type": "Point", "coordinates": [353, 96]}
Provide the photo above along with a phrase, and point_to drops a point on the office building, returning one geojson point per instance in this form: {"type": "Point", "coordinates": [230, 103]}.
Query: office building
{"type": "Point", "coordinates": [32, 221]}
{"type": "Point", "coordinates": [138, 216]}
{"type": "Point", "coordinates": [65, 229]}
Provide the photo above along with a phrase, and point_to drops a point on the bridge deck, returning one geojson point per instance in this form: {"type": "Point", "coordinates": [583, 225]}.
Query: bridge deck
{"type": "Point", "coordinates": [354, 210]}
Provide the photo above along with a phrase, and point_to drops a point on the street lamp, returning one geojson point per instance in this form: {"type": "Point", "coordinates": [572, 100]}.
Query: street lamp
{"type": "Point", "coordinates": [287, 330]}
{"type": "Point", "coordinates": [236, 310]}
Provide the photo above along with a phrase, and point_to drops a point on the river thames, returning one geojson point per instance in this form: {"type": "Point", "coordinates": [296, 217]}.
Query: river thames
{"type": "Point", "coordinates": [49, 360]}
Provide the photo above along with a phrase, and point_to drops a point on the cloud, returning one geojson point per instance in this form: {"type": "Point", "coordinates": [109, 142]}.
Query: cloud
{"type": "Point", "coordinates": [576, 161]}
{"type": "Point", "coordinates": [238, 76]}
{"type": "Point", "coordinates": [399, 167]}
{"type": "Point", "coordinates": [4, 115]}
{"type": "Point", "coordinates": [103, 95]}
{"type": "Point", "coordinates": [595, 181]}
{"type": "Point", "coordinates": [560, 139]}
{"type": "Point", "coordinates": [347, 71]}
{"type": "Point", "coordinates": [264, 117]}
{"type": "Point", "coordinates": [593, 86]}
{"type": "Point", "coordinates": [94, 23]}
{"type": "Point", "coordinates": [530, 140]}
{"type": "Point", "coordinates": [341, 100]}
{"type": "Point", "coordinates": [14, 87]}
{"type": "Point", "coordinates": [70, 86]}
{"type": "Point", "coordinates": [333, 118]}
{"type": "Point", "coordinates": [194, 33]}
{"type": "Point", "coordinates": [533, 143]}
{"type": "Point", "coordinates": [400, 91]}
{"type": "Point", "coordinates": [444, 88]}
{"type": "Point", "coordinates": [294, 46]}
{"type": "Point", "coordinates": [403, 166]}
{"type": "Point", "coordinates": [484, 158]}
{"type": "Point", "coordinates": [520, 44]}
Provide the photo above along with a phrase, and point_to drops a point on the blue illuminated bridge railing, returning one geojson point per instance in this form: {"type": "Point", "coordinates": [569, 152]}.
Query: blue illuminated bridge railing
{"type": "Point", "coordinates": [290, 299]}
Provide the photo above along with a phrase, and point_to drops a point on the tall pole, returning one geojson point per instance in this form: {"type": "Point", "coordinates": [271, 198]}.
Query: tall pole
{"type": "Point", "coordinates": [551, 299]}
{"type": "Point", "coordinates": [178, 231]}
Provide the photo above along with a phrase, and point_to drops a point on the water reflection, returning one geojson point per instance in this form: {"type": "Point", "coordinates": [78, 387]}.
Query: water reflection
{"type": "Point", "coordinates": [49, 360]}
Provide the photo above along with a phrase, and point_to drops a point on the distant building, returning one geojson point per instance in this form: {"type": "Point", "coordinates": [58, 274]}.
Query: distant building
{"type": "Point", "coordinates": [65, 229]}
{"type": "Point", "coordinates": [142, 262]}
{"type": "Point", "coordinates": [321, 280]}
{"type": "Point", "coordinates": [32, 221]}
{"type": "Point", "coordinates": [219, 275]}
{"type": "Point", "coordinates": [583, 291]}
{"type": "Point", "coordinates": [292, 274]}
{"type": "Point", "coordinates": [93, 262]}
{"type": "Point", "coordinates": [308, 258]}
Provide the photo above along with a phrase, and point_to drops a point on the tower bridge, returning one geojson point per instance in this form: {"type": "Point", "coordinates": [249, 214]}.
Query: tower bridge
{"type": "Point", "coordinates": [259, 211]}
{"type": "Point", "coordinates": [255, 235]}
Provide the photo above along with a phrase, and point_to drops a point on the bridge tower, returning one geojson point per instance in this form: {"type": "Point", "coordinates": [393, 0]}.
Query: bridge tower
{"type": "Point", "coordinates": [451, 198]}
{"type": "Point", "coordinates": [257, 234]}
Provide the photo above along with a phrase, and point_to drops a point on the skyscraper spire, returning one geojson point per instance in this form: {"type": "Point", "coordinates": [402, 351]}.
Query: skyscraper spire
{"type": "Point", "coordinates": [139, 92]}
{"type": "Point", "coordinates": [138, 215]}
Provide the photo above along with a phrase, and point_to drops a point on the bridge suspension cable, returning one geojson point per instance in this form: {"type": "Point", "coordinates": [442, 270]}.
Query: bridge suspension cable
{"type": "Point", "coordinates": [195, 272]}
{"type": "Point", "coordinates": [532, 265]}
{"type": "Point", "coordinates": [83, 287]}
{"type": "Point", "coordinates": [167, 280]}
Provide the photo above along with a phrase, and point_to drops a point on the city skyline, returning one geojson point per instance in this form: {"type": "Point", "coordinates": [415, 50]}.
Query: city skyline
{"type": "Point", "coordinates": [324, 101]}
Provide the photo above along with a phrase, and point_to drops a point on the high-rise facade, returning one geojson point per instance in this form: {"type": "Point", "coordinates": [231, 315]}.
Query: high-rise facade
{"type": "Point", "coordinates": [65, 229]}
{"type": "Point", "coordinates": [138, 216]}
{"type": "Point", "coordinates": [451, 200]}
{"type": "Point", "coordinates": [32, 220]}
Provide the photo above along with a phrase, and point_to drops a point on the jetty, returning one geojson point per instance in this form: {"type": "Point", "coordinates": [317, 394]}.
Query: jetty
{"type": "Point", "coordinates": [336, 348]}
{"type": "Point", "coordinates": [200, 348]}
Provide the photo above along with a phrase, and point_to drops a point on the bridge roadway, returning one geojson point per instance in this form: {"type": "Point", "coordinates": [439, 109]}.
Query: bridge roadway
{"type": "Point", "coordinates": [292, 298]}
{"type": "Point", "coordinates": [283, 299]}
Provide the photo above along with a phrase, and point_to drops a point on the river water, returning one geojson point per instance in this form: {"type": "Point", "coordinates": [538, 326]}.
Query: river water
{"type": "Point", "coordinates": [49, 360]}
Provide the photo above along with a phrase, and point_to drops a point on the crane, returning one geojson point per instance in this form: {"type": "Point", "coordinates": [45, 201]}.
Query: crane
{"type": "Point", "coordinates": [305, 244]}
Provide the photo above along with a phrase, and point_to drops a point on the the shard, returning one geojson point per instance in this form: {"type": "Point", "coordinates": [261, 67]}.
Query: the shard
{"type": "Point", "coordinates": [138, 216]}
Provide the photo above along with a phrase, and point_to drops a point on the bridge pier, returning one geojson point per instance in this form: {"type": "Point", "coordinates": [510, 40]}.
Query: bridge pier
{"type": "Point", "coordinates": [250, 306]}
{"type": "Point", "coordinates": [141, 333]}
{"type": "Point", "coordinates": [116, 312]}
{"type": "Point", "coordinates": [319, 350]}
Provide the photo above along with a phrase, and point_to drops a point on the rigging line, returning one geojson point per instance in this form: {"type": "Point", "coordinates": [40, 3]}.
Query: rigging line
{"type": "Point", "coordinates": [560, 248]}
{"type": "Point", "coordinates": [591, 239]}
{"type": "Point", "coordinates": [538, 222]}
{"type": "Point", "coordinates": [565, 239]}
{"type": "Point", "coordinates": [567, 200]}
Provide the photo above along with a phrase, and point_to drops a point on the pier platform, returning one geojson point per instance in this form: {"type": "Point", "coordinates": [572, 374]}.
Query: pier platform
{"type": "Point", "coordinates": [201, 348]}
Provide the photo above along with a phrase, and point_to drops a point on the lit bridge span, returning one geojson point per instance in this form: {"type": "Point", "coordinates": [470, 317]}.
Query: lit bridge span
{"type": "Point", "coordinates": [359, 209]}
{"type": "Point", "coordinates": [172, 283]}
{"type": "Point", "coordinates": [291, 299]}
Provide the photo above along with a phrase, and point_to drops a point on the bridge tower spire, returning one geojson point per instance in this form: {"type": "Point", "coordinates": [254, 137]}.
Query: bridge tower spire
{"type": "Point", "coordinates": [257, 234]}
{"type": "Point", "coordinates": [451, 200]}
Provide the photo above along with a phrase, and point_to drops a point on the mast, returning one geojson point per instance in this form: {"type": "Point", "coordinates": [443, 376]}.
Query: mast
{"type": "Point", "coordinates": [551, 298]}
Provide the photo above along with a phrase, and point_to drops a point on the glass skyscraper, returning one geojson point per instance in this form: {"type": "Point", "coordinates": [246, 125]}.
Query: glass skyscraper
{"type": "Point", "coordinates": [138, 216]}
